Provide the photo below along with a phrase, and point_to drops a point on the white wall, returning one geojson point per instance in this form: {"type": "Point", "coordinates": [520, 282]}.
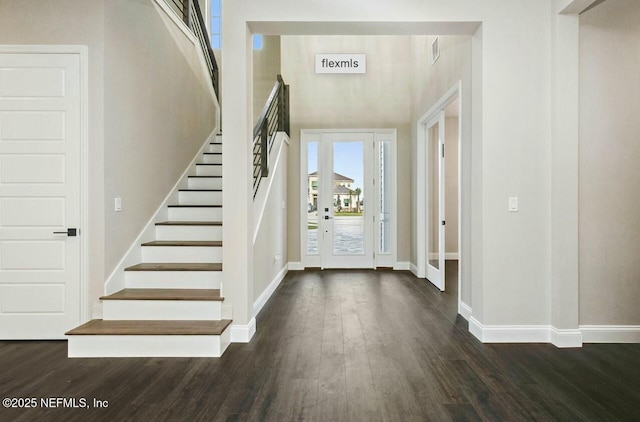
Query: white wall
{"type": "Point", "coordinates": [609, 155]}
{"type": "Point", "coordinates": [377, 99]}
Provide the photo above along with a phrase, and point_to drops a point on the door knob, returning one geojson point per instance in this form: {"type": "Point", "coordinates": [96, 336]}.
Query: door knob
{"type": "Point", "coordinates": [70, 232]}
{"type": "Point", "coordinates": [326, 217]}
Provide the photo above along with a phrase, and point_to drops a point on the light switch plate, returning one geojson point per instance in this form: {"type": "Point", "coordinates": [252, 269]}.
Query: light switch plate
{"type": "Point", "coordinates": [118, 204]}
{"type": "Point", "coordinates": [513, 204]}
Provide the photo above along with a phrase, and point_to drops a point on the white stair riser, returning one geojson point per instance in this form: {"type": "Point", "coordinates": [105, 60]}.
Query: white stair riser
{"type": "Point", "coordinates": [215, 148]}
{"type": "Point", "coordinates": [208, 170]}
{"type": "Point", "coordinates": [212, 158]}
{"type": "Point", "coordinates": [195, 214]}
{"type": "Point", "coordinates": [188, 232]}
{"type": "Point", "coordinates": [176, 254]}
{"type": "Point", "coordinates": [173, 279]}
{"type": "Point", "coordinates": [148, 346]}
{"type": "Point", "coordinates": [200, 198]}
{"type": "Point", "coordinates": [205, 183]}
{"type": "Point", "coordinates": [161, 310]}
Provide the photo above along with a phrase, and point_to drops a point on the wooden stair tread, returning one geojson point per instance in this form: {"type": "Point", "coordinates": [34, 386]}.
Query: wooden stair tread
{"type": "Point", "coordinates": [195, 206]}
{"type": "Point", "coordinates": [215, 243]}
{"type": "Point", "coordinates": [166, 294]}
{"type": "Point", "coordinates": [151, 266]}
{"type": "Point", "coordinates": [158, 328]}
{"type": "Point", "coordinates": [190, 223]}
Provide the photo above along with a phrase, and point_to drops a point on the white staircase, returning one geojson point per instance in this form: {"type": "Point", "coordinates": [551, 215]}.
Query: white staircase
{"type": "Point", "coordinates": [171, 305]}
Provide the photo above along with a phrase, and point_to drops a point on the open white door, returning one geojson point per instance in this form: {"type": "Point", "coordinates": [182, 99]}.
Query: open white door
{"type": "Point", "coordinates": [40, 144]}
{"type": "Point", "coordinates": [435, 201]}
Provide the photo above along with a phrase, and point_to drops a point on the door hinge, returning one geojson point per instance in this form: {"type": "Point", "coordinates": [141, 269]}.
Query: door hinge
{"type": "Point", "coordinates": [442, 150]}
{"type": "Point", "coordinates": [443, 222]}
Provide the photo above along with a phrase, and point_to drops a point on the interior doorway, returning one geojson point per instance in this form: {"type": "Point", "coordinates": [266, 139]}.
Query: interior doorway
{"type": "Point", "coordinates": [439, 193]}
{"type": "Point", "coordinates": [348, 198]}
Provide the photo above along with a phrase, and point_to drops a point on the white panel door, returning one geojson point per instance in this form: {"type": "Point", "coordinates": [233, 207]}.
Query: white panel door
{"type": "Point", "coordinates": [40, 134]}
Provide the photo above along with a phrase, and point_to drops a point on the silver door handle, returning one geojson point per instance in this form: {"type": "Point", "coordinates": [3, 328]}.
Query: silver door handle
{"type": "Point", "coordinates": [326, 217]}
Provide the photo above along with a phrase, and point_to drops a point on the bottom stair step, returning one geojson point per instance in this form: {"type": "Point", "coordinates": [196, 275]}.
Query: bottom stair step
{"type": "Point", "coordinates": [163, 304]}
{"type": "Point", "coordinates": [101, 338]}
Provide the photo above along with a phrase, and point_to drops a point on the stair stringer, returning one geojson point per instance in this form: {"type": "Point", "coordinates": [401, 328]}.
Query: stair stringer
{"type": "Point", "coordinates": [116, 281]}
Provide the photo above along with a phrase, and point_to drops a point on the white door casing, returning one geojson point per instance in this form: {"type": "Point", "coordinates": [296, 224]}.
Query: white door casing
{"type": "Point", "coordinates": [42, 126]}
{"type": "Point", "coordinates": [313, 155]}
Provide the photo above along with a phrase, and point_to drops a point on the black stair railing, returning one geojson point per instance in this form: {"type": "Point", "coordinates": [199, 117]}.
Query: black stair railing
{"type": "Point", "coordinates": [191, 14]}
{"type": "Point", "coordinates": [274, 118]}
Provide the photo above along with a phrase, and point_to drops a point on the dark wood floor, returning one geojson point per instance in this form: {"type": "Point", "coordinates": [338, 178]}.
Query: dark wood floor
{"type": "Point", "coordinates": [340, 345]}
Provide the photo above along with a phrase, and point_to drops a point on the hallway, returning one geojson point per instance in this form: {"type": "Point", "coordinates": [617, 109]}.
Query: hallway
{"type": "Point", "coordinates": [341, 345]}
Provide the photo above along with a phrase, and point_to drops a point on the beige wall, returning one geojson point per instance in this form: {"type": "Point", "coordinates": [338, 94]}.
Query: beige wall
{"type": "Point", "coordinates": [158, 113]}
{"type": "Point", "coordinates": [270, 247]}
{"type": "Point", "coordinates": [377, 99]}
{"type": "Point", "coordinates": [69, 22]}
{"type": "Point", "coordinates": [149, 109]}
{"type": "Point", "coordinates": [266, 66]}
{"type": "Point", "coordinates": [430, 83]}
{"type": "Point", "coordinates": [608, 160]}
{"type": "Point", "coordinates": [451, 184]}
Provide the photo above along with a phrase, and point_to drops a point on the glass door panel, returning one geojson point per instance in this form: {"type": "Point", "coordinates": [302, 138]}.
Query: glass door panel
{"type": "Point", "coordinates": [345, 214]}
{"type": "Point", "coordinates": [312, 198]}
{"type": "Point", "coordinates": [347, 182]}
{"type": "Point", "coordinates": [435, 201]}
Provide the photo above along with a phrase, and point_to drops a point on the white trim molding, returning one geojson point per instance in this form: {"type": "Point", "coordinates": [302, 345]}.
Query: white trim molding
{"type": "Point", "coordinates": [465, 311]}
{"type": "Point", "coordinates": [243, 333]}
{"type": "Point", "coordinates": [268, 292]}
{"type": "Point", "coordinates": [610, 333]}
{"type": "Point", "coordinates": [525, 334]}
{"type": "Point", "coordinates": [402, 266]}
{"type": "Point", "coordinates": [295, 266]}
{"type": "Point", "coordinates": [413, 268]}
{"type": "Point", "coordinates": [565, 337]}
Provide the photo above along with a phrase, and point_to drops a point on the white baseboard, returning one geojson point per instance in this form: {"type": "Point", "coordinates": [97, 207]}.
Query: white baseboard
{"type": "Point", "coordinates": [413, 268]}
{"type": "Point", "coordinates": [610, 333]}
{"type": "Point", "coordinates": [133, 256]}
{"type": "Point", "coordinates": [565, 337]}
{"type": "Point", "coordinates": [243, 333]}
{"type": "Point", "coordinates": [295, 266]}
{"type": "Point", "coordinates": [402, 266]}
{"type": "Point", "coordinates": [465, 310]}
{"type": "Point", "coordinates": [525, 334]}
{"type": "Point", "coordinates": [509, 333]}
{"type": "Point", "coordinates": [271, 288]}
